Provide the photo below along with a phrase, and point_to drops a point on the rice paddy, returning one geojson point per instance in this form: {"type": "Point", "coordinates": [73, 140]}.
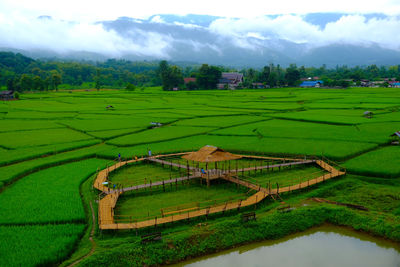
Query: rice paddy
{"type": "Point", "coordinates": [51, 143]}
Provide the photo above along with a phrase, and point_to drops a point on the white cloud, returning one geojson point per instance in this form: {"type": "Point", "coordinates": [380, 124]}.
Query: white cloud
{"type": "Point", "coordinates": [187, 25]}
{"type": "Point", "coordinates": [63, 36]}
{"type": "Point", "coordinates": [350, 29]}
{"type": "Point", "coordinates": [157, 19]}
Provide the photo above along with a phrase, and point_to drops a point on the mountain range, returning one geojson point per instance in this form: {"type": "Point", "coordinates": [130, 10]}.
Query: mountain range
{"type": "Point", "coordinates": [280, 39]}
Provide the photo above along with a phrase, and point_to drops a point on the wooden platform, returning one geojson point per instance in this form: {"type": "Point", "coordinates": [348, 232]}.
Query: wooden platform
{"type": "Point", "coordinates": [107, 204]}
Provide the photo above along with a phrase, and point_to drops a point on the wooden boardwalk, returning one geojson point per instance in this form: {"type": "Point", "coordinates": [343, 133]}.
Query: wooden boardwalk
{"type": "Point", "coordinates": [158, 183]}
{"type": "Point", "coordinates": [169, 163]}
{"type": "Point", "coordinates": [286, 164]}
{"type": "Point", "coordinates": [107, 204]}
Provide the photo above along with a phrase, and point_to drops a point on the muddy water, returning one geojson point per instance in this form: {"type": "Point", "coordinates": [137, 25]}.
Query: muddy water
{"type": "Point", "coordinates": [321, 246]}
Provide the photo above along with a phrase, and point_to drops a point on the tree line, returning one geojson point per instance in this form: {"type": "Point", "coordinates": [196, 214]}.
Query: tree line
{"type": "Point", "coordinates": [21, 73]}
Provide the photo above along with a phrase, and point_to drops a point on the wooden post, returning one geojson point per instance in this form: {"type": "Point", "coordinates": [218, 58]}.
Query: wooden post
{"type": "Point", "coordinates": [163, 185]}
{"type": "Point", "coordinates": [236, 167]}
{"type": "Point", "coordinates": [187, 165]}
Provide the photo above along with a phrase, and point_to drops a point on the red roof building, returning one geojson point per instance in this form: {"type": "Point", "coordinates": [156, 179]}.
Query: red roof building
{"type": "Point", "coordinates": [189, 79]}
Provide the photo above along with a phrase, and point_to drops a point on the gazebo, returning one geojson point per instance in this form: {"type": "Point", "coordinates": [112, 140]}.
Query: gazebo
{"type": "Point", "coordinates": [368, 114]}
{"type": "Point", "coordinates": [395, 138]}
{"type": "Point", "coordinates": [211, 154]}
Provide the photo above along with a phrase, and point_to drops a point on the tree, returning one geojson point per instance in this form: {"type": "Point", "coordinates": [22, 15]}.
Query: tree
{"type": "Point", "coordinates": [130, 87]}
{"type": "Point", "coordinates": [55, 80]}
{"type": "Point", "coordinates": [97, 80]}
{"type": "Point", "coordinates": [171, 76]}
{"type": "Point", "coordinates": [11, 85]}
{"type": "Point", "coordinates": [273, 79]}
{"type": "Point", "coordinates": [208, 76]}
{"type": "Point", "coordinates": [292, 75]}
{"type": "Point", "coordinates": [264, 75]}
{"type": "Point", "coordinates": [163, 70]}
{"type": "Point", "coordinates": [25, 82]}
{"type": "Point", "coordinates": [37, 83]}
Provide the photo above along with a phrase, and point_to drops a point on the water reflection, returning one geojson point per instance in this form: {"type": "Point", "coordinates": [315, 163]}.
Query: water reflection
{"type": "Point", "coordinates": [322, 246]}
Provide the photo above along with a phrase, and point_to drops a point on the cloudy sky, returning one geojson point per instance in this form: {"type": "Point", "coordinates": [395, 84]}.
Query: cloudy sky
{"type": "Point", "coordinates": [74, 27]}
{"type": "Point", "coordinates": [91, 10]}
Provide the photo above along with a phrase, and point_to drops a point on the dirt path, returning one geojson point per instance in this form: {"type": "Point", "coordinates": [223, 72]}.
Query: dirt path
{"type": "Point", "coordinates": [90, 239]}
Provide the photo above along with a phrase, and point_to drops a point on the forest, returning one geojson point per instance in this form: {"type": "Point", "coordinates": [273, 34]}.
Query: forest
{"type": "Point", "coordinates": [21, 73]}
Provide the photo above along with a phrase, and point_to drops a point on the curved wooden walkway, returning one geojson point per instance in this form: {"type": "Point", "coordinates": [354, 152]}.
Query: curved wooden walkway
{"type": "Point", "coordinates": [107, 204]}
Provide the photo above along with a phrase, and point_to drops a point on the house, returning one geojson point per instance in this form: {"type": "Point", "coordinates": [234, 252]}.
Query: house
{"type": "Point", "coordinates": [259, 85]}
{"type": "Point", "coordinates": [365, 83]}
{"type": "Point", "coordinates": [395, 84]}
{"type": "Point", "coordinates": [230, 80]}
{"type": "Point", "coordinates": [377, 84]}
{"type": "Point", "coordinates": [189, 79]}
{"type": "Point", "coordinates": [6, 95]}
{"type": "Point", "coordinates": [309, 84]}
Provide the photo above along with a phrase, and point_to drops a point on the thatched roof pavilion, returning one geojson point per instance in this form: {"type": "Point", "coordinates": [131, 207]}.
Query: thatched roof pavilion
{"type": "Point", "coordinates": [210, 154]}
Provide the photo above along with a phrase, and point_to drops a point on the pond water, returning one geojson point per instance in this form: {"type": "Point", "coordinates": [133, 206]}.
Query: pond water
{"type": "Point", "coordinates": [321, 246]}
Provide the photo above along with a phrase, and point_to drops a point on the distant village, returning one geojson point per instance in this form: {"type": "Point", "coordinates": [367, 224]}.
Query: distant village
{"type": "Point", "coordinates": [235, 80]}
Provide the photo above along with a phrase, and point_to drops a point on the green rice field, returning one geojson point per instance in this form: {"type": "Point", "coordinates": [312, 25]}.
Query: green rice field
{"type": "Point", "coordinates": [143, 173]}
{"type": "Point", "coordinates": [147, 205]}
{"type": "Point", "coordinates": [53, 143]}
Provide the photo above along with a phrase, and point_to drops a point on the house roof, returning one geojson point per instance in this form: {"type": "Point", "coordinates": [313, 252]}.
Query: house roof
{"type": "Point", "coordinates": [6, 92]}
{"type": "Point", "coordinates": [232, 76]}
{"type": "Point", "coordinates": [311, 83]}
{"type": "Point", "coordinates": [210, 154]}
{"type": "Point", "coordinates": [189, 79]}
{"type": "Point", "coordinates": [396, 133]}
{"type": "Point", "coordinates": [224, 80]}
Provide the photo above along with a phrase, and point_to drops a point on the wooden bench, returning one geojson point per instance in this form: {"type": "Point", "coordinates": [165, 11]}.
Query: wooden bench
{"type": "Point", "coordinates": [251, 216]}
{"type": "Point", "coordinates": [151, 237]}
